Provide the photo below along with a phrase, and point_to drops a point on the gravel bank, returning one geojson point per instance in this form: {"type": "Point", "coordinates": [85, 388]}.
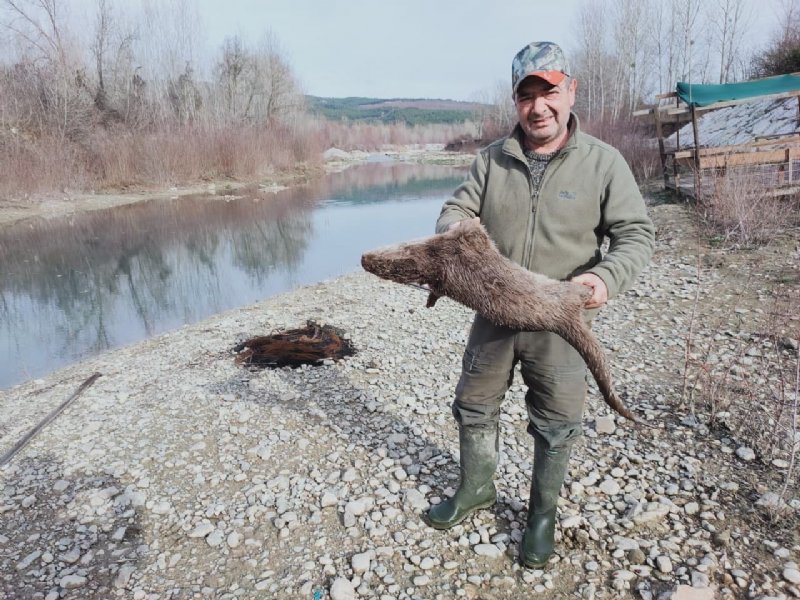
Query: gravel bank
{"type": "Point", "coordinates": [181, 475]}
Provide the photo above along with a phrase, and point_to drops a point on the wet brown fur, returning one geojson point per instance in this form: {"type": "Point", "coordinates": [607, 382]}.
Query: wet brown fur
{"type": "Point", "coordinates": [294, 347]}
{"type": "Point", "coordinates": [464, 264]}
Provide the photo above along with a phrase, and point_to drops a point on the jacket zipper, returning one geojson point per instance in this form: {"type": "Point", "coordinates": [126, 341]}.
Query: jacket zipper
{"type": "Point", "coordinates": [531, 232]}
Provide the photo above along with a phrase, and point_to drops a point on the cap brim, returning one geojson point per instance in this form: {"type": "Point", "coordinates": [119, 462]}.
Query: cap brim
{"type": "Point", "coordinates": [551, 77]}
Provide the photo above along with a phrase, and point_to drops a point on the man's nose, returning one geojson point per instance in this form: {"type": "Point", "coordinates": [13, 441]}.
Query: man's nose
{"type": "Point", "coordinates": [539, 105]}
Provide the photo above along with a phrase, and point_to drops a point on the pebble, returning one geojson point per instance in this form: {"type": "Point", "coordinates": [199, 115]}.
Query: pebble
{"type": "Point", "coordinates": [792, 575]}
{"type": "Point", "coordinates": [342, 589]}
{"type": "Point", "coordinates": [488, 550]}
{"type": "Point", "coordinates": [72, 582]}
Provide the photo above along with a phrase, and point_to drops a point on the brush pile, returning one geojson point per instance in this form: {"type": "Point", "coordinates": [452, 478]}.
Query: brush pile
{"type": "Point", "coordinates": [308, 345]}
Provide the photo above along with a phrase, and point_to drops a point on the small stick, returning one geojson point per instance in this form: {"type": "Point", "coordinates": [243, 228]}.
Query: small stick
{"type": "Point", "coordinates": [47, 420]}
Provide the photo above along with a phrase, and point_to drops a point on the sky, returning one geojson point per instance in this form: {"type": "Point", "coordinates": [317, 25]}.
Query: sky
{"type": "Point", "coordinates": [454, 49]}
{"type": "Point", "coordinates": [391, 48]}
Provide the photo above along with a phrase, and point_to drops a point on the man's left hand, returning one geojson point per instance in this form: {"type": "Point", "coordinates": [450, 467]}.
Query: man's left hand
{"type": "Point", "coordinates": [599, 290]}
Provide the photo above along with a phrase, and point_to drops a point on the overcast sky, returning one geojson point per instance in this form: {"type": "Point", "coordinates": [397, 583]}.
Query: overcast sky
{"type": "Point", "coordinates": [402, 48]}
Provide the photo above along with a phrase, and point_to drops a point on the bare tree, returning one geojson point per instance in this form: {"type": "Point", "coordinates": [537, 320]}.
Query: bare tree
{"type": "Point", "coordinates": [728, 19]}
{"type": "Point", "coordinates": [592, 59]}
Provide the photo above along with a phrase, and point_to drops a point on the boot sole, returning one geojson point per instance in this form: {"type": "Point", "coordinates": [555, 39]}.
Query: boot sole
{"type": "Point", "coordinates": [530, 564]}
{"type": "Point", "coordinates": [451, 524]}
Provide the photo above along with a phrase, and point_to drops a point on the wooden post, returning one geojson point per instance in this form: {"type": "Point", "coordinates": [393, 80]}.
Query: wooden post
{"type": "Point", "coordinates": [660, 134]}
{"type": "Point", "coordinates": [675, 173]}
{"type": "Point", "coordinates": [696, 155]}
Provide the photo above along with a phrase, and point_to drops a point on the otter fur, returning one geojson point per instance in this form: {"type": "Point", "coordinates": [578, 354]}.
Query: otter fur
{"type": "Point", "coordinates": [465, 265]}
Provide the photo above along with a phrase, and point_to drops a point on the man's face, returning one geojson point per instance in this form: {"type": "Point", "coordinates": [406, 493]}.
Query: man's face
{"type": "Point", "coordinates": [543, 111]}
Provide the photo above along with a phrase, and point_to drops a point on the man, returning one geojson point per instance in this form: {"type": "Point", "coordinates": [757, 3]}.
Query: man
{"type": "Point", "coordinates": [547, 194]}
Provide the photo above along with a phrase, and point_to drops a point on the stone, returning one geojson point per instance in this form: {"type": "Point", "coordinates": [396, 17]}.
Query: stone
{"type": "Point", "coordinates": [72, 582]}
{"type": "Point", "coordinates": [605, 424]}
{"type": "Point", "coordinates": [360, 562]}
{"type": "Point", "coordinates": [488, 550]}
{"type": "Point", "coordinates": [792, 575]}
{"type": "Point", "coordinates": [685, 592]}
{"type": "Point", "coordinates": [342, 589]}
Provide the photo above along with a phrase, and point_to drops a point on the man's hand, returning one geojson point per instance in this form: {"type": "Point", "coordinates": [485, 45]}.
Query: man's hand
{"type": "Point", "coordinates": [460, 223]}
{"type": "Point", "coordinates": [599, 290]}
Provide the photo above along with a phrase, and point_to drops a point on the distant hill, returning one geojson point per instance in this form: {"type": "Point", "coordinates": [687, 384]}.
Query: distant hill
{"type": "Point", "coordinates": [412, 111]}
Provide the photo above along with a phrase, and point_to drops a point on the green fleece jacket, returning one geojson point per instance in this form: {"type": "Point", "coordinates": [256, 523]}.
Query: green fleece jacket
{"type": "Point", "coordinates": [587, 192]}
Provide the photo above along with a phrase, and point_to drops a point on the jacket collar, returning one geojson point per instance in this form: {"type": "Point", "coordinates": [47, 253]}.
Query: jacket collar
{"type": "Point", "coordinates": [514, 143]}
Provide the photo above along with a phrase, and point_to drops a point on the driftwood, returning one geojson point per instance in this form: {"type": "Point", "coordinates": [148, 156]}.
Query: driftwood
{"type": "Point", "coordinates": [294, 347]}
{"type": "Point", "coordinates": [47, 420]}
{"type": "Point", "coordinates": [465, 265]}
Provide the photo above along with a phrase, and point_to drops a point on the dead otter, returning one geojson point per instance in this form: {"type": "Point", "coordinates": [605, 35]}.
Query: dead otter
{"type": "Point", "coordinates": [465, 265]}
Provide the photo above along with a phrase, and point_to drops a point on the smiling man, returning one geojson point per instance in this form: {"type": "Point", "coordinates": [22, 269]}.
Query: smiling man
{"type": "Point", "coordinates": [547, 194]}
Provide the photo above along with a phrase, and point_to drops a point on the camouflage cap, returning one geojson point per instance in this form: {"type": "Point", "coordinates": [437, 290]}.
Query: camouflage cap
{"type": "Point", "coordinates": [540, 59]}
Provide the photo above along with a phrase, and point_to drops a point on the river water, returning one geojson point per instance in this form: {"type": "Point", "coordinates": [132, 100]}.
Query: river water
{"type": "Point", "coordinates": [74, 287]}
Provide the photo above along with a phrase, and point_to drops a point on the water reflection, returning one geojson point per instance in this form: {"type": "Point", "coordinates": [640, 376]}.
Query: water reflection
{"type": "Point", "coordinates": [74, 287]}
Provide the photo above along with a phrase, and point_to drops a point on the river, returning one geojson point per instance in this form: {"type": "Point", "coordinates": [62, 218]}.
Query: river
{"type": "Point", "coordinates": [74, 287]}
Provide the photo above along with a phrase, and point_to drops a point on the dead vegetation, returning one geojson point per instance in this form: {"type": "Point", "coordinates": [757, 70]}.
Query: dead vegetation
{"type": "Point", "coordinates": [741, 374]}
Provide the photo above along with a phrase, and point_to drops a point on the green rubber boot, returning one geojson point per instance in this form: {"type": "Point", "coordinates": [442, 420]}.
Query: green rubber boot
{"type": "Point", "coordinates": [549, 469]}
{"type": "Point", "coordinates": [478, 450]}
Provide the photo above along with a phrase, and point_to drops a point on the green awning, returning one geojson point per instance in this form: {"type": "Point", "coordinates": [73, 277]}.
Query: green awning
{"type": "Point", "coordinates": [695, 94]}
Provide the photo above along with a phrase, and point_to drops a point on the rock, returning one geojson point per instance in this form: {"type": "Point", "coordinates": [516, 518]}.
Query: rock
{"type": "Point", "coordinates": [124, 575]}
{"type": "Point", "coordinates": [360, 562]}
{"type": "Point", "coordinates": [655, 512]}
{"type": "Point", "coordinates": [328, 499]}
{"type": "Point", "coordinates": [488, 550]}
{"type": "Point", "coordinates": [414, 500]}
{"type": "Point", "coordinates": [215, 538]}
{"type": "Point", "coordinates": [332, 154]}
{"type": "Point", "coordinates": [342, 589]}
{"type": "Point", "coordinates": [72, 582]}
{"type": "Point", "coordinates": [685, 592]}
{"type": "Point", "coordinates": [745, 453]}
{"type": "Point", "coordinates": [201, 530]}
{"type": "Point", "coordinates": [792, 575]}
{"type": "Point", "coordinates": [605, 424]}
{"type": "Point", "coordinates": [664, 564]}
{"type": "Point", "coordinates": [610, 487]}
{"type": "Point", "coordinates": [771, 500]}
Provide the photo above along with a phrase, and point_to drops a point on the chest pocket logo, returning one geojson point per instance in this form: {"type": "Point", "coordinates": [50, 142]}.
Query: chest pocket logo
{"type": "Point", "coordinates": [566, 195]}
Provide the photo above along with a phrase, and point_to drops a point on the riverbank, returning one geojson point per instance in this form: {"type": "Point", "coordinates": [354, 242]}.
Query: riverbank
{"type": "Point", "coordinates": [179, 474]}
{"type": "Point", "coordinates": [57, 205]}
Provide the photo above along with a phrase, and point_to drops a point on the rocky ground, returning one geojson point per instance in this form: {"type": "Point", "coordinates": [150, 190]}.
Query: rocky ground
{"type": "Point", "coordinates": [179, 474]}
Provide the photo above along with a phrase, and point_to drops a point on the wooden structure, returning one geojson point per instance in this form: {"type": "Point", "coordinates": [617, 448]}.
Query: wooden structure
{"type": "Point", "coordinates": [691, 169]}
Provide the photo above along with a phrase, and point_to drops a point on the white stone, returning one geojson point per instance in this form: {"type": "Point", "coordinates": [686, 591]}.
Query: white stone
{"type": "Point", "coordinates": [201, 530]}
{"type": "Point", "coordinates": [791, 575]}
{"type": "Point", "coordinates": [356, 507]}
{"type": "Point", "coordinates": [72, 582]}
{"type": "Point", "coordinates": [745, 453]}
{"type": "Point", "coordinates": [215, 538]}
{"type": "Point", "coordinates": [605, 424]}
{"type": "Point", "coordinates": [488, 550]}
{"type": "Point", "coordinates": [664, 564]}
{"type": "Point", "coordinates": [342, 589]}
{"type": "Point", "coordinates": [610, 487]}
{"type": "Point", "coordinates": [691, 508]}
{"type": "Point", "coordinates": [360, 562]}
{"type": "Point", "coordinates": [124, 575]}
{"type": "Point", "coordinates": [328, 499]}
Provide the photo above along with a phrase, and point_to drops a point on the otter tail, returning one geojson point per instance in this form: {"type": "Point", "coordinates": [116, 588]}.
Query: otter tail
{"type": "Point", "coordinates": [580, 337]}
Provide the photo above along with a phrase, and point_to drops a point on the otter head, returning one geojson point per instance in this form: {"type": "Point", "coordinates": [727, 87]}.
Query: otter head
{"type": "Point", "coordinates": [423, 261]}
{"type": "Point", "coordinates": [401, 263]}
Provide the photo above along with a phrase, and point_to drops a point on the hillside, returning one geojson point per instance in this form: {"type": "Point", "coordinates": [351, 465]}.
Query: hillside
{"type": "Point", "coordinates": [412, 111]}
